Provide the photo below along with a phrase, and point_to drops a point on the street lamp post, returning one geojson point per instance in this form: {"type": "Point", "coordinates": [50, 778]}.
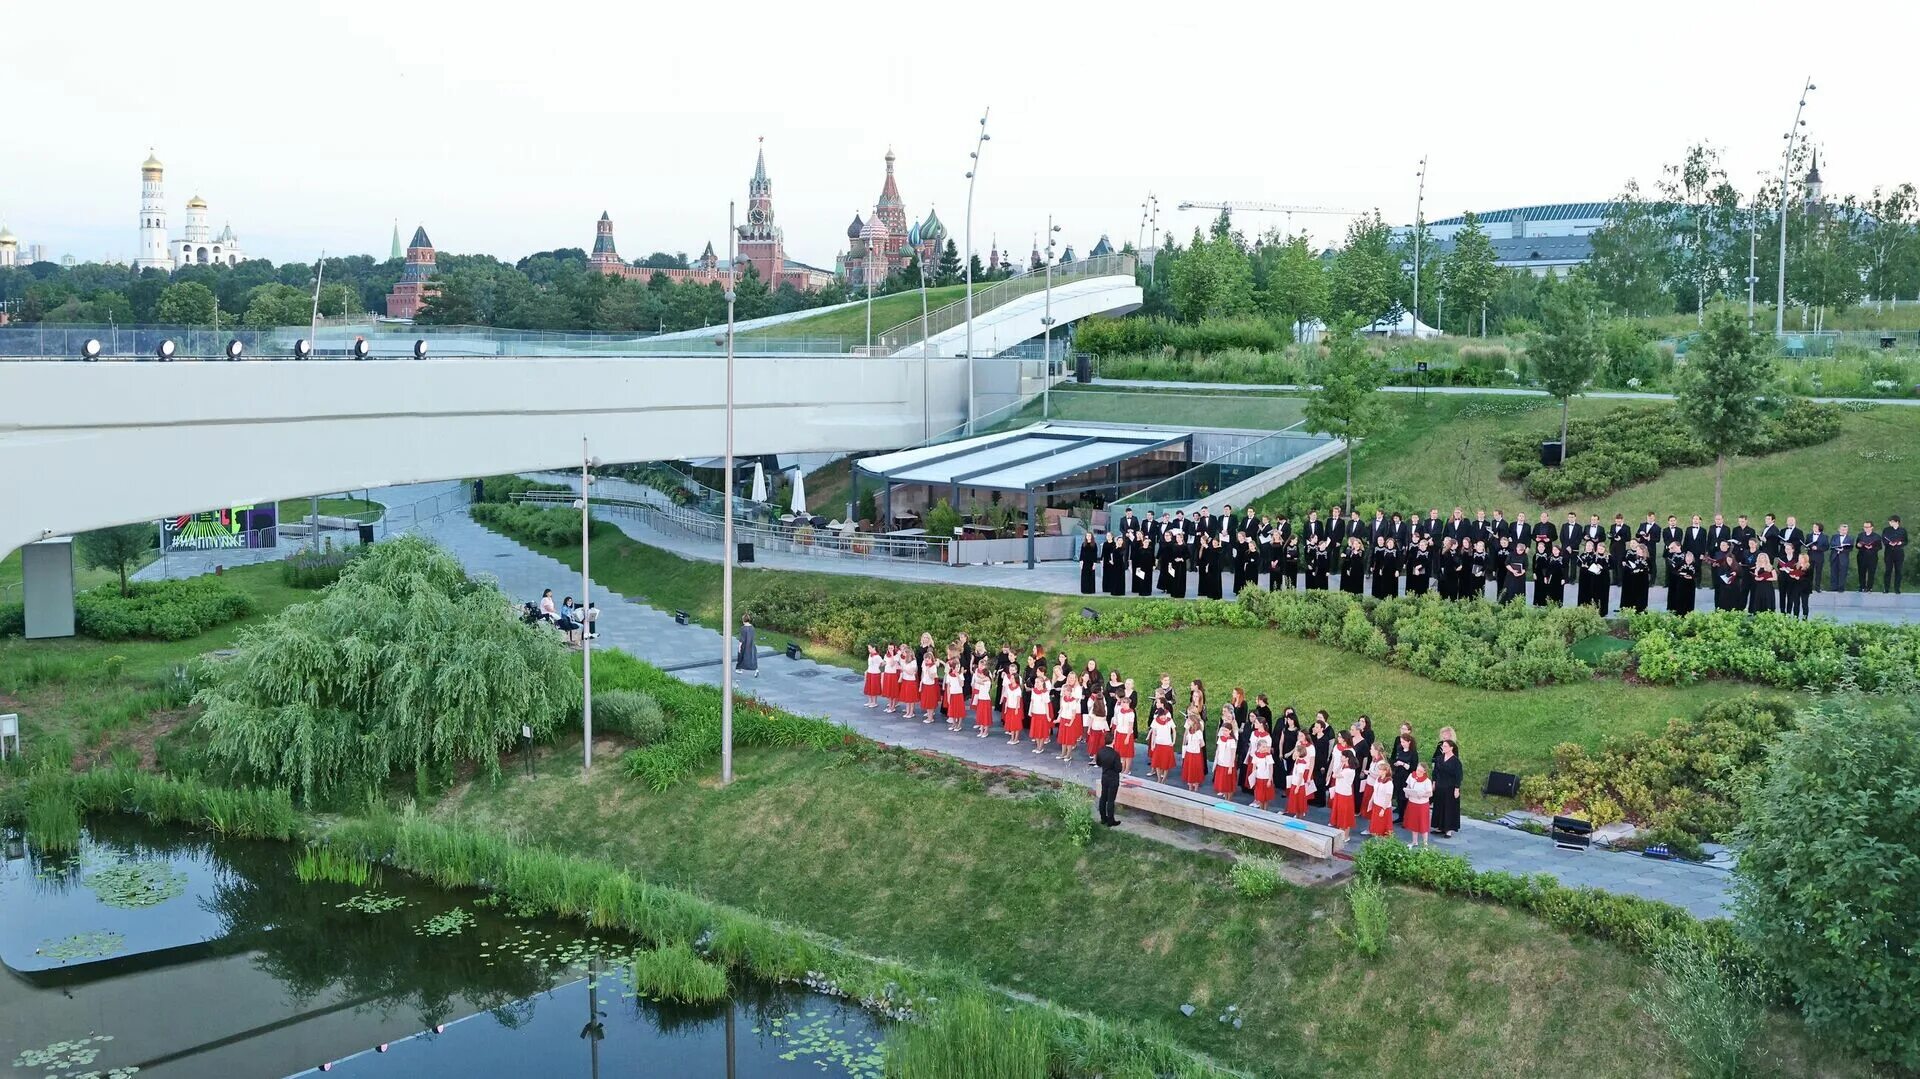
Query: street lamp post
{"type": "Point", "coordinates": [926, 359]}
{"type": "Point", "coordinates": [1786, 163]}
{"type": "Point", "coordinates": [587, 461]}
{"type": "Point", "coordinates": [869, 316]}
{"type": "Point", "coordinates": [1046, 322]}
{"type": "Point", "coordinates": [1419, 207]}
{"type": "Point", "coordinates": [1153, 266]}
{"type": "Point", "coordinates": [1753, 253]}
{"type": "Point", "coordinates": [973, 169]}
{"type": "Point", "coordinates": [726, 525]}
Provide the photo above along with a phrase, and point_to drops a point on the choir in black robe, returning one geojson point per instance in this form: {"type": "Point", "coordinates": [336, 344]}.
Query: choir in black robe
{"type": "Point", "coordinates": [1682, 577]}
{"type": "Point", "coordinates": [1419, 572]}
{"type": "Point", "coordinates": [1177, 566]}
{"type": "Point", "coordinates": [1319, 565]}
{"type": "Point", "coordinates": [1475, 582]}
{"type": "Point", "coordinates": [1088, 555]}
{"type": "Point", "coordinates": [1448, 777]}
{"type": "Point", "coordinates": [1322, 756]}
{"type": "Point", "coordinates": [1209, 557]}
{"type": "Point", "coordinates": [1543, 584]}
{"type": "Point", "coordinates": [1140, 566]}
{"type": "Point", "coordinates": [1403, 761]}
{"type": "Point", "coordinates": [1636, 577]}
{"type": "Point", "coordinates": [1513, 577]}
{"type": "Point", "coordinates": [1353, 572]}
{"type": "Point", "coordinates": [1386, 573]}
{"type": "Point", "coordinates": [1113, 566]}
{"type": "Point", "coordinates": [1287, 567]}
{"type": "Point", "coordinates": [1726, 577]}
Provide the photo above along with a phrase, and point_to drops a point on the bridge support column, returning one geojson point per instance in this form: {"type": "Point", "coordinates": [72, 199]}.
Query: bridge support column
{"type": "Point", "coordinates": [46, 578]}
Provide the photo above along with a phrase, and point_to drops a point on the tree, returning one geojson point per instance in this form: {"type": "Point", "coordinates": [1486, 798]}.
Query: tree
{"type": "Point", "coordinates": [1823, 892]}
{"type": "Point", "coordinates": [949, 271]}
{"type": "Point", "coordinates": [751, 296]}
{"type": "Point", "coordinates": [1344, 402]}
{"type": "Point", "coordinates": [118, 548]}
{"type": "Point", "coordinates": [1213, 279]}
{"type": "Point", "coordinates": [1892, 241]}
{"type": "Point", "coordinates": [1691, 232]}
{"type": "Point", "coordinates": [1366, 272]}
{"type": "Point", "coordinates": [1564, 352]}
{"type": "Point", "coordinates": [1723, 389]}
{"type": "Point", "coordinates": [186, 304]}
{"type": "Point", "coordinates": [1630, 256]}
{"type": "Point", "coordinates": [1470, 273]}
{"type": "Point", "coordinates": [1297, 287]}
{"type": "Point", "coordinates": [277, 305]}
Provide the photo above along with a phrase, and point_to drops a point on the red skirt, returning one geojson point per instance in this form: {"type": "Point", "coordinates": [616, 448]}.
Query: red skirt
{"type": "Point", "coordinates": [1095, 740]}
{"type": "Point", "coordinates": [1070, 731]}
{"type": "Point", "coordinates": [956, 706]}
{"type": "Point", "coordinates": [1123, 745]}
{"type": "Point", "coordinates": [1039, 726]}
{"type": "Point", "coordinates": [1010, 715]}
{"type": "Point", "coordinates": [874, 682]}
{"type": "Point", "coordinates": [907, 693]}
{"type": "Point", "coordinates": [1223, 781]}
{"type": "Point", "coordinates": [890, 684]}
{"type": "Point", "coordinates": [1341, 814]}
{"type": "Point", "coordinates": [929, 695]}
{"type": "Point", "coordinates": [1263, 791]}
{"type": "Point", "coordinates": [1160, 758]}
{"type": "Point", "coordinates": [1193, 767]}
{"type": "Point", "coordinates": [1418, 818]}
{"type": "Point", "coordinates": [1380, 820]}
{"type": "Point", "coordinates": [1296, 801]}
{"type": "Point", "coordinates": [983, 714]}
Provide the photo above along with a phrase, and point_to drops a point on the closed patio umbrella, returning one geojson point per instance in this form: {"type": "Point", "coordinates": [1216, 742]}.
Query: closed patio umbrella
{"type": "Point", "coordinates": [799, 492]}
{"type": "Point", "coordinates": [759, 483]}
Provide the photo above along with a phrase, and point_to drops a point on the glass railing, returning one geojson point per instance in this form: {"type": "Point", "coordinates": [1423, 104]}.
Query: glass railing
{"type": "Point", "coordinates": [914, 330]}
{"type": "Point", "coordinates": [1222, 471]}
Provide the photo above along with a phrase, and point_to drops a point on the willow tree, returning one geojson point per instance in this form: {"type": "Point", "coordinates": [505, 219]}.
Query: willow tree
{"type": "Point", "coordinates": [403, 664]}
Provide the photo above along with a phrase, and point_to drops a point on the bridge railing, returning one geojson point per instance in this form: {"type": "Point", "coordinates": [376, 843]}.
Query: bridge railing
{"type": "Point", "coordinates": [942, 319]}
{"type": "Point", "coordinates": [797, 538]}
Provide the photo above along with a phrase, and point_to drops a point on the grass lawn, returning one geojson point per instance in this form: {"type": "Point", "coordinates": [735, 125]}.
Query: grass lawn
{"type": "Point", "coordinates": [928, 870]}
{"type": "Point", "coordinates": [72, 689]}
{"type": "Point", "coordinates": [1441, 450]}
{"type": "Point", "coordinates": [851, 322]}
{"type": "Point", "coordinates": [83, 578]}
{"type": "Point", "coordinates": [359, 509]}
{"type": "Point", "coordinates": [1195, 409]}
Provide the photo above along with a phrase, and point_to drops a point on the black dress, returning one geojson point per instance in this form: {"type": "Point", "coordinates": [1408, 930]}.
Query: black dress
{"type": "Point", "coordinates": [1212, 562]}
{"type": "Point", "coordinates": [1322, 757]}
{"type": "Point", "coordinates": [1681, 579]}
{"type": "Point", "coordinates": [1419, 570]}
{"type": "Point", "coordinates": [1386, 574]}
{"type": "Point", "coordinates": [1353, 572]}
{"type": "Point", "coordinates": [1319, 563]}
{"type": "Point", "coordinates": [1286, 570]}
{"type": "Point", "coordinates": [1760, 594]}
{"type": "Point", "coordinates": [1476, 579]}
{"type": "Point", "coordinates": [1726, 576]}
{"type": "Point", "coordinates": [1513, 578]}
{"type": "Point", "coordinates": [1243, 564]}
{"type": "Point", "coordinates": [1113, 566]}
{"type": "Point", "coordinates": [1542, 581]}
{"type": "Point", "coordinates": [1636, 578]}
{"type": "Point", "coordinates": [1404, 761]}
{"type": "Point", "coordinates": [1088, 554]}
{"type": "Point", "coordinates": [1140, 567]}
{"type": "Point", "coordinates": [1448, 776]}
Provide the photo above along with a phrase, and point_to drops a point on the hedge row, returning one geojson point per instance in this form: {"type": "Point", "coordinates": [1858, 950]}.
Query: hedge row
{"type": "Point", "coordinates": [1482, 645]}
{"type": "Point", "coordinates": [850, 617]}
{"type": "Point", "coordinates": [159, 610]}
{"type": "Point", "coordinates": [1775, 650]}
{"type": "Point", "coordinates": [692, 737]}
{"type": "Point", "coordinates": [549, 526]}
{"type": "Point", "coordinates": [1635, 445]}
{"type": "Point", "coordinates": [1641, 925]}
{"type": "Point", "coordinates": [496, 489]}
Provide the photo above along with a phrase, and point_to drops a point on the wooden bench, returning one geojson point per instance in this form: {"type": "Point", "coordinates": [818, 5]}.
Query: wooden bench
{"type": "Point", "coordinates": [1209, 811]}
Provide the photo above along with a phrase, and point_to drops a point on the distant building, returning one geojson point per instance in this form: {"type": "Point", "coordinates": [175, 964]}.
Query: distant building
{"type": "Point", "coordinates": [885, 244]}
{"type": "Point", "coordinates": [1536, 239]}
{"type": "Point", "coordinates": [38, 253]}
{"type": "Point", "coordinates": [197, 247]}
{"type": "Point", "coordinates": [9, 247]}
{"type": "Point", "coordinates": [413, 289]}
{"type": "Point", "coordinates": [761, 244]}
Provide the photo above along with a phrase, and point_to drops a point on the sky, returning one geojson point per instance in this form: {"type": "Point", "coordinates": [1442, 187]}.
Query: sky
{"type": "Point", "coordinates": [507, 129]}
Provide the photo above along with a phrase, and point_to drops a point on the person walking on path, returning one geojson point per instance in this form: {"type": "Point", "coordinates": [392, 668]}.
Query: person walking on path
{"type": "Point", "coordinates": [748, 658]}
{"type": "Point", "coordinates": [1109, 762]}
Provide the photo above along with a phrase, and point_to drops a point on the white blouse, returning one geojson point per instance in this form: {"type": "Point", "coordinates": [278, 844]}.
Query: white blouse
{"type": "Point", "coordinates": [1419, 791]}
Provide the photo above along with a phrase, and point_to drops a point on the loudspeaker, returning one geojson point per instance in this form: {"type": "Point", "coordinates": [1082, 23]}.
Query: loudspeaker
{"type": "Point", "coordinates": [793, 650]}
{"type": "Point", "coordinates": [1504, 784]}
{"type": "Point", "coordinates": [366, 535]}
{"type": "Point", "coordinates": [743, 553]}
{"type": "Point", "coordinates": [1550, 453]}
{"type": "Point", "coordinates": [1571, 833]}
{"type": "Point", "coordinates": [1090, 614]}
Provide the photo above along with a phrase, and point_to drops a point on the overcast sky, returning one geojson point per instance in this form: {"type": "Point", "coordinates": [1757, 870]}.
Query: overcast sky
{"type": "Point", "coordinates": [508, 128]}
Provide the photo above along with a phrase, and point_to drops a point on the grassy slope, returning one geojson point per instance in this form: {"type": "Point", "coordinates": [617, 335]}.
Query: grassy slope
{"type": "Point", "coordinates": [360, 509]}
{"type": "Point", "coordinates": [911, 866]}
{"type": "Point", "coordinates": [1199, 409]}
{"type": "Point", "coordinates": [850, 322]}
{"type": "Point", "coordinates": [1433, 457]}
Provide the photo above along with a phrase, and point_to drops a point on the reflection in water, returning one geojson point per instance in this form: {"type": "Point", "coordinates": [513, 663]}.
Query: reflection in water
{"type": "Point", "coordinates": [249, 972]}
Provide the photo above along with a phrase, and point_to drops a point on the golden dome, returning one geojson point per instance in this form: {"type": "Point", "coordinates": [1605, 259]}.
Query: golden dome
{"type": "Point", "coordinates": [7, 237]}
{"type": "Point", "coordinates": [151, 162]}
{"type": "Point", "coordinates": [196, 203]}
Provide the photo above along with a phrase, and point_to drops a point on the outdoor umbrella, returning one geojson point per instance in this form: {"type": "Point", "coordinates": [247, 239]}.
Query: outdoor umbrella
{"type": "Point", "coordinates": [799, 492]}
{"type": "Point", "coordinates": [759, 483]}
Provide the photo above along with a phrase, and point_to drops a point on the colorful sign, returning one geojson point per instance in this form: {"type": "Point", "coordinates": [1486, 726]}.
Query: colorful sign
{"type": "Point", "coordinates": [237, 527]}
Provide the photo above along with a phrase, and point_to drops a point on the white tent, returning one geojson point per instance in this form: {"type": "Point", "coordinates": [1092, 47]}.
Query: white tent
{"type": "Point", "coordinates": [1405, 325]}
{"type": "Point", "coordinates": [799, 492]}
{"type": "Point", "coordinates": [759, 483]}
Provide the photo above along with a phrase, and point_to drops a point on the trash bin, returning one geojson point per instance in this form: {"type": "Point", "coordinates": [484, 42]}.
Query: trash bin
{"type": "Point", "coordinates": [1550, 453]}
{"type": "Point", "coordinates": [1886, 341]}
{"type": "Point", "coordinates": [1083, 369]}
{"type": "Point", "coordinates": [366, 535]}
{"type": "Point", "coordinates": [743, 553]}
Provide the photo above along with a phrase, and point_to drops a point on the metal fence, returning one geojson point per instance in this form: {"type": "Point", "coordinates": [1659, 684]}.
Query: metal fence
{"type": "Point", "coordinates": [399, 520]}
{"type": "Point", "coordinates": [913, 331]}
{"type": "Point", "coordinates": [803, 539]}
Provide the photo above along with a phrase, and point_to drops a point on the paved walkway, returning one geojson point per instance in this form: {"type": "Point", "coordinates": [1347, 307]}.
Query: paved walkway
{"type": "Point", "coordinates": [803, 686]}
{"type": "Point", "coordinates": [1063, 578]}
{"type": "Point", "coordinates": [1494, 391]}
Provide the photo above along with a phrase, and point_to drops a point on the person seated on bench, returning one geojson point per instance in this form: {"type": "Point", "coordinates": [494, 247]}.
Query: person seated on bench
{"type": "Point", "coordinates": [546, 606]}
{"type": "Point", "coordinates": [568, 620]}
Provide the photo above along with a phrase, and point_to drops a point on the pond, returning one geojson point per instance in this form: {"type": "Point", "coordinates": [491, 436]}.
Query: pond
{"type": "Point", "coordinates": [159, 953]}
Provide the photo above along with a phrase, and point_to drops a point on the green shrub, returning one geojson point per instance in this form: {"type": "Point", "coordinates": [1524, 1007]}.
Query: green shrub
{"type": "Point", "coordinates": [13, 619]}
{"type": "Point", "coordinates": [1824, 887]}
{"type": "Point", "coordinates": [404, 663]}
{"type": "Point", "coordinates": [1775, 650]}
{"type": "Point", "coordinates": [1710, 1015]}
{"type": "Point", "coordinates": [848, 617]}
{"type": "Point", "coordinates": [1684, 783]}
{"type": "Point", "coordinates": [942, 520]}
{"type": "Point", "coordinates": [546, 526]}
{"type": "Point", "coordinates": [630, 712]}
{"type": "Point", "coordinates": [494, 489]}
{"type": "Point", "coordinates": [1368, 901]}
{"type": "Point", "coordinates": [1074, 809]}
{"type": "Point", "coordinates": [675, 973]}
{"type": "Point", "coordinates": [243, 812]}
{"type": "Point", "coordinates": [317, 569]}
{"type": "Point", "coordinates": [53, 821]}
{"type": "Point", "coordinates": [159, 610]}
{"type": "Point", "coordinates": [1256, 876]}
{"type": "Point", "coordinates": [319, 862]}
{"type": "Point", "coordinates": [1632, 446]}
{"type": "Point", "coordinates": [692, 739]}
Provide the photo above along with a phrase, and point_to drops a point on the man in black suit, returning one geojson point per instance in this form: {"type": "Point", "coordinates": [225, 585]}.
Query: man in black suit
{"type": "Point", "coordinates": [1376, 530]}
{"type": "Point", "coordinates": [1456, 528]}
{"type": "Point", "coordinates": [1895, 541]}
{"type": "Point", "coordinates": [1337, 529]}
{"type": "Point", "coordinates": [1179, 523]}
{"type": "Point", "coordinates": [1770, 538]}
{"type": "Point", "coordinates": [1543, 530]}
{"type": "Point", "coordinates": [1431, 529]}
{"type": "Point", "coordinates": [1314, 530]}
{"type": "Point", "coordinates": [1717, 532]}
{"type": "Point", "coordinates": [1866, 549]}
{"type": "Point", "coordinates": [1520, 531]}
{"type": "Point", "coordinates": [1742, 532]}
{"type": "Point", "coordinates": [1697, 540]}
{"type": "Point", "coordinates": [1570, 534]}
{"type": "Point", "coordinates": [1648, 535]}
{"type": "Point", "coordinates": [1127, 523]}
{"type": "Point", "coordinates": [1595, 531]}
{"type": "Point", "coordinates": [1205, 522]}
{"type": "Point", "coordinates": [1109, 762]}
{"type": "Point", "coordinates": [1617, 539]}
{"type": "Point", "coordinates": [1149, 527]}
{"type": "Point", "coordinates": [1498, 527]}
{"type": "Point", "coordinates": [1672, 542]}
{"type": "Point", "coordinates": [1478, 529]}
{"type": "Point", "coordinates": [1230, 525]}
{"type": "Point", "coordinates": [1790, 533]}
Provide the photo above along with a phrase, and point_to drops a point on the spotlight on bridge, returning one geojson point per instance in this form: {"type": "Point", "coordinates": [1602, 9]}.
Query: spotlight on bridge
{"type": "Point", "coordinates": [420, 349]}
{"type": "Point", "coordinates": [91, 350]}
{"type": "Point", "coordinates": [303, 349]}
{"type": "Point", "coordinates": [234, 349]}
{"type": "Point", "coordinates": [360, 348]}
{"type": "Point", "coordinates": [165, 352]}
